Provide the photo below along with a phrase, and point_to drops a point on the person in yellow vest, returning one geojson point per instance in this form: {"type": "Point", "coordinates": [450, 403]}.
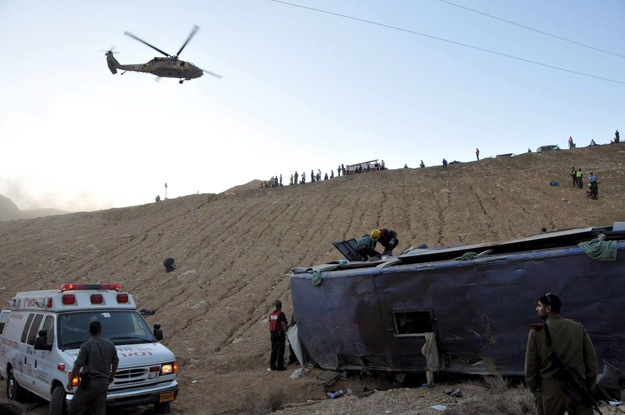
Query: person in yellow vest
{"type": "Point", "coordinates": [580, 178]}
{"type": "Point", "coordinates": [569, 339]}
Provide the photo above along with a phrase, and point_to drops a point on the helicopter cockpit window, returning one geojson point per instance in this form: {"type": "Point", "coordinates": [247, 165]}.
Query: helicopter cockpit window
{"type": "Point", "coordinates": [181, 63]}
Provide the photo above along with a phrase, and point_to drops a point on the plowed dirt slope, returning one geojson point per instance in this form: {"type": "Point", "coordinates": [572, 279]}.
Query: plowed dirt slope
{"type": "Point", "coordinates": [235, 250]}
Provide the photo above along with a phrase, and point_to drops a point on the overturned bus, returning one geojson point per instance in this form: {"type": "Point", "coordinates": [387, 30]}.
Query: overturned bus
{"type": "Point", "coordinates": [476, 302]}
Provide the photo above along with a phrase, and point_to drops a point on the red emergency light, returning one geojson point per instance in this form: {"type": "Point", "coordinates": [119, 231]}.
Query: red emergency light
{"type": "Point", "coordinates": [97, 299]}
{"type": "Point", "coordinates": [69, 299]}
{"type": "Point", "coordinates": [122, 298]}
{"type": "Point", "coordinates": [49, 305]}
{"type": "Point", "coordinates": [74, 287]}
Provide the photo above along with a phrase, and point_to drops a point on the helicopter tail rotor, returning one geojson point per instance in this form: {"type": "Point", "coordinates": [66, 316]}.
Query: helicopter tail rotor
{"type": "Point", "coordinates": [110, 51]}
{"type": "Point", "coordinates": [111, 61]}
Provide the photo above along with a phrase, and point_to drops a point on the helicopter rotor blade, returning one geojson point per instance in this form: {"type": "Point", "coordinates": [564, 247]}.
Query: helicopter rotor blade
{"type": "Point", "coordinates": [147, 44]}
{"type": "Point", "coordinates": [212, 73]}
{"type": "Point", "coordinates": [193, 32]}
{"type": "Point", "coordinates": [111, 50]}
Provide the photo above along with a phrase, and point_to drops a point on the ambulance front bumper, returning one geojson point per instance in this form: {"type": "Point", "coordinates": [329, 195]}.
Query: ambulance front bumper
{"type": "Point", "coordinates": [140, 396]}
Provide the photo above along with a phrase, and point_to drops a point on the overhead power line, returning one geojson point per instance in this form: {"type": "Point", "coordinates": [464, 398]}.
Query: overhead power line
{"type": "Point", "coordinates": [449, 41]}
{"type": "Point", "coordinates": [532, 29]}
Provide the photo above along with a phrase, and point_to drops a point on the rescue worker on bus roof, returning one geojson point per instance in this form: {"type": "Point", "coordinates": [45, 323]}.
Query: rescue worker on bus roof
{"type": "Point", "coordinates": [387, 238]}
{"type": "Point", "coordinates": [365, 248]}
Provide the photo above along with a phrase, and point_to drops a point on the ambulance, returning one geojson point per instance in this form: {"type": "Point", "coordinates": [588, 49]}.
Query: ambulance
{"type": "Point", "coordinates": [43, 333]}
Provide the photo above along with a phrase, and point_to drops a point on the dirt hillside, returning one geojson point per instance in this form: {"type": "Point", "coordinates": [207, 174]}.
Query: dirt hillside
{"type": "Point", "coordinates": [235, 250]}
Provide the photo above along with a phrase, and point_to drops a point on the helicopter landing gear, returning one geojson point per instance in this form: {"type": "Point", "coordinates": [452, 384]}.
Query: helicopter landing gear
{"type": "Point", "coordinates": [180, 82]}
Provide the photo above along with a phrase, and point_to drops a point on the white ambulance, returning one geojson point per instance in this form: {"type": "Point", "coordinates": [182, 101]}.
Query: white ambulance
{"type": "Point", "coordinates": [42, 337]}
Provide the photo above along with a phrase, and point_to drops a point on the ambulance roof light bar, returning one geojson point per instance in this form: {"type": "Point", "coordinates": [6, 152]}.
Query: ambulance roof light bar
{"type": "Point", "coordinates": [74, 287]}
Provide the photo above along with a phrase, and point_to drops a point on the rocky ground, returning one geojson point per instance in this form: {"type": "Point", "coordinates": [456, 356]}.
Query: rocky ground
{"type": "Point", "coordinates": [235, 251]}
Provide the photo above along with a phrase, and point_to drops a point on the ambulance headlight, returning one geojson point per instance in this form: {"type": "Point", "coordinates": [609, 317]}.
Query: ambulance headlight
{"type": "Point", "coordinates": [169, 368]}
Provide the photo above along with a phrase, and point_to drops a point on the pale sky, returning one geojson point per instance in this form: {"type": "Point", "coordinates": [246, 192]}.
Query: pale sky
{"type": "Point", "coordinates": [301, 90]}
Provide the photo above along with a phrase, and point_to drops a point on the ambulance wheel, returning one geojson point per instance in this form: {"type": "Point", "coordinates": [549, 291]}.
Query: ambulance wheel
{"type": "Point", "coordinates": [161, 408]}
{"type": "Point", "coordinates": [14, 390]}
{"type": "Point", "coordinates": [57, 403]}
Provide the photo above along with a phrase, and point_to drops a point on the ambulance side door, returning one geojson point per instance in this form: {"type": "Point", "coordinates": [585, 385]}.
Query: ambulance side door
{"type": "Point", "coordinates": [45, 366]}
{"type": "Point", "coordinates": [28, 360]}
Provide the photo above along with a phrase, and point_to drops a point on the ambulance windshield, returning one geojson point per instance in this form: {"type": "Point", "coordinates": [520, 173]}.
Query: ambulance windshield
{"type": "Point", "coordinates": [120, 327]}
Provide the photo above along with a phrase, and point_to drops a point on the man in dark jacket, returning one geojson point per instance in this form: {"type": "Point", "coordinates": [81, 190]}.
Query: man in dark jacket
{"type": "Point", "coordinates": [387, 238]}
{"type": "Point", "coordinates": [571, 342]}
{"type": "Point", "coordinates": [277, 328]}
{"type": "Point", "coordinates": [365, 248]}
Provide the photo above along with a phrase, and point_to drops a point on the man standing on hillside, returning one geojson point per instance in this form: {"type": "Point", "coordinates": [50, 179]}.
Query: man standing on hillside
{"type": "Point", "coordinates": [573, 174]}
{"type": "Point", "coordinates": [444, 164]}
{"type": "Point", "coordinates": [580, 178]}
{"type": "Point", "coordinates": [617, 138]}
{"type": "Point", "coordinates": [567, 338]}
{"type": "Point", "coordinates": [277, 328]}
{"type": "Point", "coordinates": [477, 154]}
{"type": "Point", "coordinates": [295, 176]}
{"type": "Point", "coordinates": [593, 184]}
{"type": "Point", "coordinates": [571, 145]}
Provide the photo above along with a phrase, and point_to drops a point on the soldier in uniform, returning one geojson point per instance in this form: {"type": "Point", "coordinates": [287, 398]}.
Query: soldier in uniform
{"type": "Point", "coordinates": [98, 360]}
{"type": "Point", "coordinates": [570, 341]}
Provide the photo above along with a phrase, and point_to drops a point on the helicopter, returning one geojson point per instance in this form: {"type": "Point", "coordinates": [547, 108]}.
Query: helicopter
{"type": "Point", "coordinates": [167, 67]}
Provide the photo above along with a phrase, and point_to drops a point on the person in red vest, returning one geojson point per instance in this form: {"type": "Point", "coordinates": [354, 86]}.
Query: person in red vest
{"type": "Point", "coordinates": [477, 153]}
{"type": "Point", "coordinates": [277, 327]}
